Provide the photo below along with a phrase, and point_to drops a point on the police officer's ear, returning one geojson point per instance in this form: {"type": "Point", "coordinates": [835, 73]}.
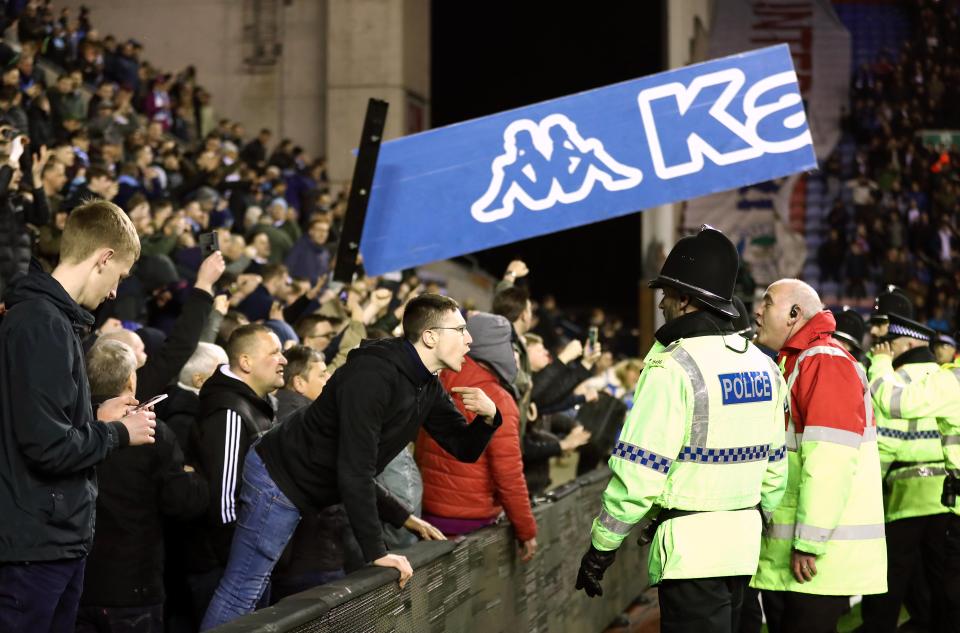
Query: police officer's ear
{"type": "Point", "coordinates": [794, 311]}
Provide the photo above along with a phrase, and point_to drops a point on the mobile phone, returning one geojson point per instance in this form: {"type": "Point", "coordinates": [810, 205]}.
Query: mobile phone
{"type": "Point", "coordinates": [152, 401]}
{"type": "Point", "coordinates": [209, 243]}
{"type": "Point", "coordinates": [592, 335]}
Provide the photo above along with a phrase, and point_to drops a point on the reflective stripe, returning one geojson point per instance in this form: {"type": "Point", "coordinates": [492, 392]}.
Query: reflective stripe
{"type": "Point", "coordinates": [701, 398]}
{"type": "Point", "coordinates": [833, 436]}
{"type": "Point", "coordinates": [777, 455]}
{"type": "Point", "coordinates": [920, 470]}
{"type": "Point", "coordinates": [956, 373]}
{"type": "Point", "coordinates": [614, 525]}
{"type": "Point", "coordinates": [909, 435]}
{"type": "Point", "coordinates": [823, 535]}
{"type": "Point", "coordinates": [896, 395]}
{"type": "Point", "coordinates": [737, 455]}
{"type": "Point", "coordinates": [875, 387]}
{"type": "Point", "coordinates": [950, 440]}
{"type": "Point", "coordinates": [793, 441]}
{"type": "Point", "coordinates": [834, 351]}
{"type": "Point", "coordinates": [641, 456]}
{"type": "Point", "coordinates": [902, 372]}
{"type": "Point", "coordinates": [912, 425]}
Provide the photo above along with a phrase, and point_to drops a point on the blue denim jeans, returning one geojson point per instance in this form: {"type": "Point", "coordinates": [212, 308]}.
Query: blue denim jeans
{"type": "Point", "coordinates": [265, 524]}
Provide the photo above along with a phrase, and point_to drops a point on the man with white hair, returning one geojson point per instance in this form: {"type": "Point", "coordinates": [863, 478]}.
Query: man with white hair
{"type": "Point", "coordinates": [826, 542]}
{"type": "Point", "coordinates": [183, 405]}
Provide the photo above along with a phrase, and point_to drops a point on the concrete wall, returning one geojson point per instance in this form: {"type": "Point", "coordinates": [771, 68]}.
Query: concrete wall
{"type": "Point", "coordinates": [288, 97]}
{"type": "Point", "coordinates": [380, 49]}
{"type": "Point", "coordinates": [336, 55]}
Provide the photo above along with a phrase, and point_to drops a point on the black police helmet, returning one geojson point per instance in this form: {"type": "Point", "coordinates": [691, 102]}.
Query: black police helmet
{"type": "Point", "coordinates": [892, 300]}
{"type": "Point", "coordinates": [850, 327]}
{"type": "Point", "coordinates": [743, 324]}
{"type": "Point", "coordinates": [705, 267]}
{"type": "Point", "coordinates": [942, 338]}
{"type": "Point", "coordinates": [896, 306]}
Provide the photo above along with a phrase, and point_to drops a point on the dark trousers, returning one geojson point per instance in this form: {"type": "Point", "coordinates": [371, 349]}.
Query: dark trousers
{"type": "Point", "coordinates": [951, 576]}
{"type": "Point", "coordinates": [701, 605]}
{"type": "Point", "coordinates": [915, 548]}
{"type": "Point", "coordinates": [751, 615]}
{"type": "Point", "coordinates": [790, 612]}
{"type": "Point", "coordinates": [120, 619]}
{"type": "Point", "coordinates": [40, 596]}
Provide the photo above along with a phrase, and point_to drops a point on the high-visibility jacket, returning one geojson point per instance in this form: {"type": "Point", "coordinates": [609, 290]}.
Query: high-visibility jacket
{"type": "Point", "coordinates": [833, 506]}
{"type": "Point", "coordinates": [911, 458]}
{"type": "Point", "coordinates": [705, 434]}
{"type": "Point", "coordinates": [938, 395]}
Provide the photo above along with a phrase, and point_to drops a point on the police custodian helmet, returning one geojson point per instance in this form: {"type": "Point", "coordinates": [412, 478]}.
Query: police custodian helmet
{"type": "Point", "coordinates": [850, 327]}
{"type": "Point", "coordinates": [705, 267]}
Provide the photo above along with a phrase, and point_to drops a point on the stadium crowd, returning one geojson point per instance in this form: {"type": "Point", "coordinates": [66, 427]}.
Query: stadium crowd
{"type": "Point", "coordinates": [149, 247]}
{"type": "Point", "coordinates": [239, 338]}
{"type": "Point", "coordinates": [895, 217]}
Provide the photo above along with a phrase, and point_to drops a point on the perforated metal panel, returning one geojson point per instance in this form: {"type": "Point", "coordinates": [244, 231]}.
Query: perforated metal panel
{"type": "Point", "coordinates": [481, 585]}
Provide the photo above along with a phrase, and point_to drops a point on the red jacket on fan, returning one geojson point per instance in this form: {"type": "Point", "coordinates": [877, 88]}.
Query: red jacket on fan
{"type": "Point", "coordinates": [459, 490]}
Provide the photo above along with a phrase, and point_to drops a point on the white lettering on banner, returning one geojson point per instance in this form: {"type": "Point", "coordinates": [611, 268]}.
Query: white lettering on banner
{"type": "Point", "coordinates": [746, 386]}
{"type": "Point", "coordinates": [720, 128]}
{"type": "Point", "coordinates": [546, 163]}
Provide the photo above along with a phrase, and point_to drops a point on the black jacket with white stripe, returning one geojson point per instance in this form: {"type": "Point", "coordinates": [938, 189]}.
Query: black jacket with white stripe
{"type": "Point", "coordinates": [232, 416]}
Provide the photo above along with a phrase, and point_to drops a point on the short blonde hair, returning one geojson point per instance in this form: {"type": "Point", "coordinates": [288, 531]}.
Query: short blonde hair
{"type": "Point", "coordinates": [98, 224]}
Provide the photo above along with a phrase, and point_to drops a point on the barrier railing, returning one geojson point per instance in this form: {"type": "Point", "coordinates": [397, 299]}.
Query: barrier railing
{"type": "Point", "coordinates": [476, 584]}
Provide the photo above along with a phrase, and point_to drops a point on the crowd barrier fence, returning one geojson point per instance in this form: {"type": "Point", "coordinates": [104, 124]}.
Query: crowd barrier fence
{"type": "Point", "coordinates": [477, 583]}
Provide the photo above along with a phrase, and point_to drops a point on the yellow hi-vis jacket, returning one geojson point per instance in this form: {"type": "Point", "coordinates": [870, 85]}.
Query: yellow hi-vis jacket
{"type": "Point", "coordinates": [935, 395]}
{"type": "Point", "coordinates": [833, 506]}
{"type": "Point", "coordinates": [705, 434]}
{"type": "Point", "coordinates": [911, 457]}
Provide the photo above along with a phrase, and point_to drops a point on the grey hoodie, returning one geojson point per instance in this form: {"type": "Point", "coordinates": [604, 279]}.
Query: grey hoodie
{"type": "Point", "coordinates": [491, 345]}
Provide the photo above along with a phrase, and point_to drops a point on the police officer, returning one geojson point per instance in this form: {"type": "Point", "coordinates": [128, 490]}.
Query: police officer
{"type": "Point", "coordinates": [893, 299]}
{"type": "Point", "coordinates": [701, 449]}
{"type": "Point", "coordinates": [944, 347]}
{"type": "Point", "coordinates": [935, 395]}
{"type": "Point", "coordinates": [911, 461]}
{"type": "Point", "coordinates": [850, 332]}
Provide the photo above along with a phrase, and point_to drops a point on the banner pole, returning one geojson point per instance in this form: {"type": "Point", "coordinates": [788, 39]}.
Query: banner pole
{"type": "Point", "coordinates": [363, 169]}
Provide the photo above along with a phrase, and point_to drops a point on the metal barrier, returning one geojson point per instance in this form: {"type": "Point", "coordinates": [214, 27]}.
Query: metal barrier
{"type": "Point", "coordinates": [476, 584]}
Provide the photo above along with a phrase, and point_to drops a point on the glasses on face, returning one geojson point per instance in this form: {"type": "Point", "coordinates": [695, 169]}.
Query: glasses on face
{"type": "Point", "coordinates": [460, 329]}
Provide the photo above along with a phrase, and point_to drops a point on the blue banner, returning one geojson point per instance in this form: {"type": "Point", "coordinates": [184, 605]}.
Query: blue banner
{"type": "Point", "coordinates": [587, 157]}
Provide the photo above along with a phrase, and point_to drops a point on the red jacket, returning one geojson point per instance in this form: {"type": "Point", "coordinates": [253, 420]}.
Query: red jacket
{"type": "Point", "coordinates": [459, 490]}
{"type": "Point", "coordinates": [826, 389]}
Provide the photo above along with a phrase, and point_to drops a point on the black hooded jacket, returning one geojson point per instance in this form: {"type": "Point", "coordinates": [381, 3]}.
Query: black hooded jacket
{"type": "Point", "coordinates": [50, 440]}
{"type": "Point", "coordinates": [139, 487]}
{"type": "Point", "coordinates": [368, 412]}
{"type": "Point", "coordinates": [16, 240]}
{"type": "Point", "coordinates": [232, 416]}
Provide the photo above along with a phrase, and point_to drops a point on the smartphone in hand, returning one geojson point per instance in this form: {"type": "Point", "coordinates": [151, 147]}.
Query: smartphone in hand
{"type": "Point", "coordinates": [149, 403]}
{"type": "Point", "coordinates": [209, 243]}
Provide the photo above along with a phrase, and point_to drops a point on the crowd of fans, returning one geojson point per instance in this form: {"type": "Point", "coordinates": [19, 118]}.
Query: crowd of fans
{"type": "Point", "coordinates": [895, 217]}
{"type": "Point", "coordinates": [198, 326]}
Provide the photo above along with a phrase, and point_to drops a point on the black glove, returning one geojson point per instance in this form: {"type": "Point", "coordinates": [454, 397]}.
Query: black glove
{"type": "Point", "coordinates": [592, 566]}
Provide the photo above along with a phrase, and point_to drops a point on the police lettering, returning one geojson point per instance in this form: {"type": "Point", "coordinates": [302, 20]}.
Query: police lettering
{"type": "Point", "coordinates": [746, 386]}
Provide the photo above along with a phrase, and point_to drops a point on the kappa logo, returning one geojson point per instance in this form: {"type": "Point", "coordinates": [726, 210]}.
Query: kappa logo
{"type": "Point", "coordinates": [701, 125]}
{"type": "Point", "coordinates": [545, 163]}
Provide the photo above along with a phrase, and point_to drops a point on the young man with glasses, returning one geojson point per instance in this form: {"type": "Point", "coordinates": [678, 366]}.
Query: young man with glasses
{"type": "Point", "coordinates": [331, 451]}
